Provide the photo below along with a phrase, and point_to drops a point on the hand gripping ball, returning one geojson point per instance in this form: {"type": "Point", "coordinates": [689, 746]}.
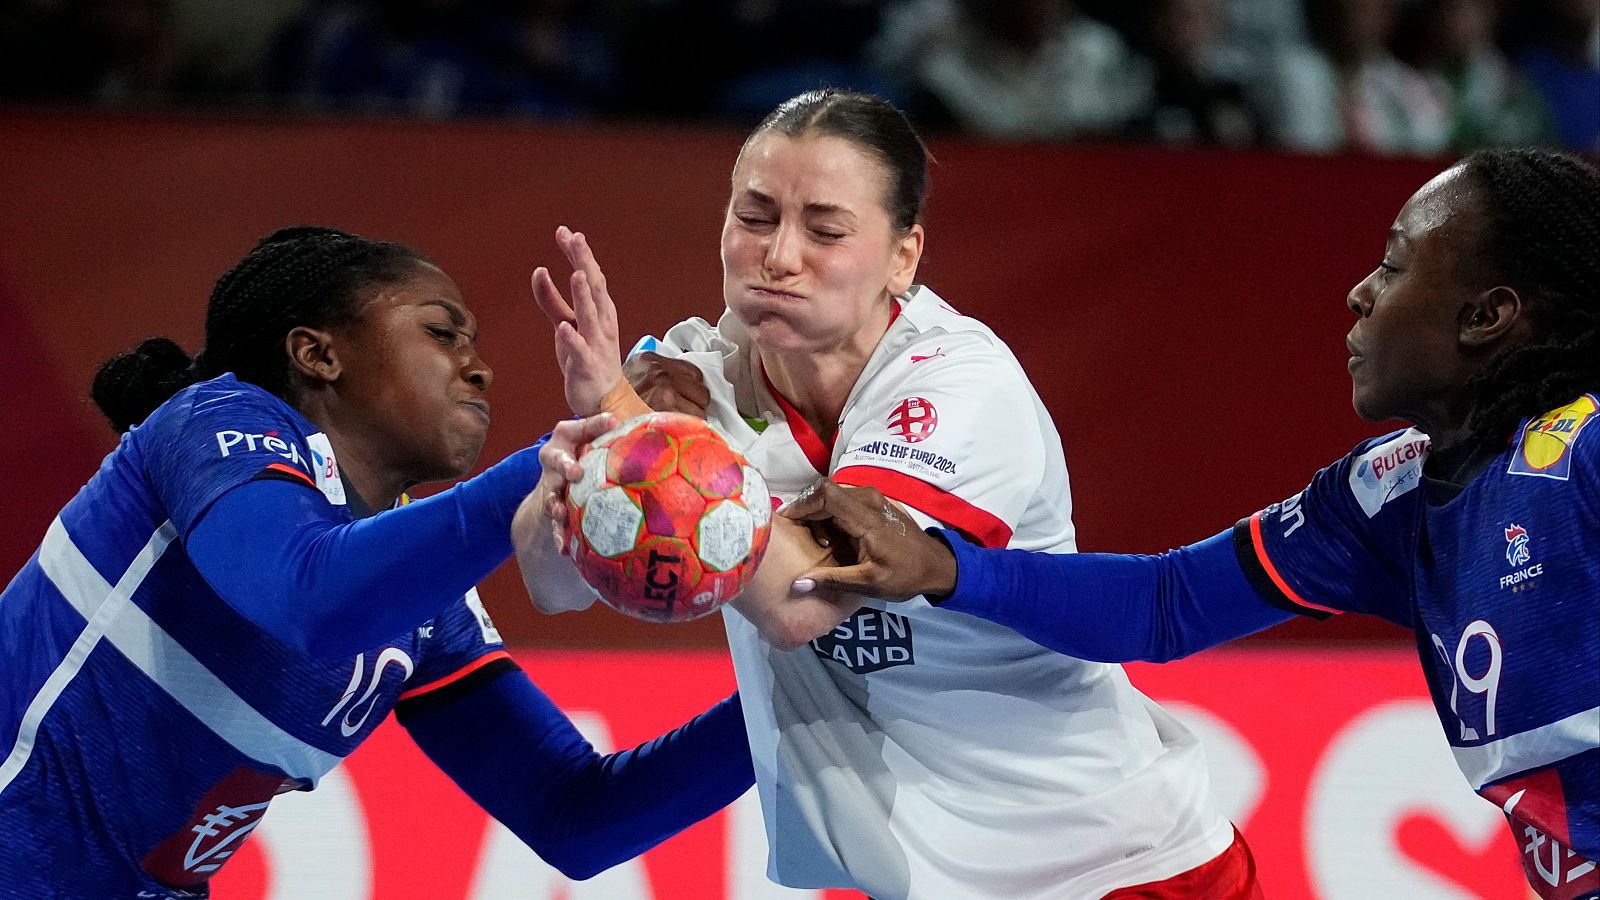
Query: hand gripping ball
{"type": "Point", "coordinates": [669, 521]}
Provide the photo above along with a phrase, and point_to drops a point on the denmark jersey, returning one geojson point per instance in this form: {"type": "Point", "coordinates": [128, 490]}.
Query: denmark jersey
{"type": "Point", "coordinates": [146, 725]}
{"type": "Point", "coordinates": [916, 752]}
{"type": "Point", "coordinates": [1500, 581]}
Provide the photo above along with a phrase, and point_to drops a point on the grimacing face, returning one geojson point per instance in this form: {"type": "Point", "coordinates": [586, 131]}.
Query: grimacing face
{"type": "Point", "coordinates": [1406, 357]}
{"type": "Point", "coordinates": [412, 379]}
{"type": "Point", "coordinates": [809, 254]}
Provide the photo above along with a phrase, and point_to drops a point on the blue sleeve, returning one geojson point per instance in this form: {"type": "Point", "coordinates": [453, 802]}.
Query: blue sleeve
{"type": "Point", "coordinates": [504, 742]}
{"type": "Point", "coordinates": [1346, 542]}
{"type": "Point", "coordinates": [285, 558]}
{"type": "Point", "coordinates": [1112, 607]}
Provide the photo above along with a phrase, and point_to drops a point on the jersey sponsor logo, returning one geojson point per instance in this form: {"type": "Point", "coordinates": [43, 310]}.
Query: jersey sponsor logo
{"type": "Point", "coordinates": [491, 635]}
{"type": "Point", "coordinates": [938, 353]}
{"type": "Point", "coordinates": [869, 641]}
{"type": "Point", "coordinates": [1555, 871]}
{"type": "Point", "coordinates": [1389, 470]}
{"type": "Point", "coordinates": [230, 442]}
{"type": "Point", "coordinates": [1518, 555]}
{"type": "Point", "coordinates": [221, 821]}
{"type": "Point", "coordinates": [327, 469]}
{"type": "Point", "coordinates": [913, 420]}
{"type": "Point", "coordinates": [1545, 446]}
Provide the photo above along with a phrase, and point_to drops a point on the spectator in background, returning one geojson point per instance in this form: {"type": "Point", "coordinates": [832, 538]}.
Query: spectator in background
{"type": "Point", "coordinates": [105, 52]}
{"type": "Point", "coordinates": [1489, 101]}
{"type": "Point", "coordinates": [1199, 96]}
{"type": "Point", "coordinates": [1346, 89]}
{"type": "Point", "coordinates": [1558, 48]}
{"type": "Point", "coordinates": [1027, 69]}
{"type": "Point", "coordinates": [737, 60]}
{"type": "Point", "coordinates": [445, 57]}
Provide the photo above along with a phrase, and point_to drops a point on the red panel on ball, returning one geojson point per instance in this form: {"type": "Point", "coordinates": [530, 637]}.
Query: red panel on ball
{"type": "Point", "coordinates": [671, 507]}
{"type": "Point", "coordinates": [711, 466]}
{"type": "Point", "coordinates": [643, 456]}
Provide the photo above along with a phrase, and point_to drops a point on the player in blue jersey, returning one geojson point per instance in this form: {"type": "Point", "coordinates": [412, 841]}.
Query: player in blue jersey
{"type": "Point", "coordinates": [219, 616]}
{"type": "Point", "coordinates": [1478, 528]}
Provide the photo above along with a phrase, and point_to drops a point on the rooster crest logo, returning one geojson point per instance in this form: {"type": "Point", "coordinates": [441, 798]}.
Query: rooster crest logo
{"type": "Point", "coordinates": [1517, 545]}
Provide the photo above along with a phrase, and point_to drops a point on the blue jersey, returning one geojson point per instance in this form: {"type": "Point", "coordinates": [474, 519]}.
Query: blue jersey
{"type": "Point", "coordinates": [1500, 581]}
{"type": "Point", "coordinates": [145, 724]}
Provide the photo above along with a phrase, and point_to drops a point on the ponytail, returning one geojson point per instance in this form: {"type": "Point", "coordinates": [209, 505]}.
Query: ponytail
{"type": "Point", "coordinates": [129, 386]}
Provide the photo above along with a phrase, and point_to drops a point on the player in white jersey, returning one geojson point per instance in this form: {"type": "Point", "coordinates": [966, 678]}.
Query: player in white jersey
{"type": "Point", "coordinates": [913, 753]}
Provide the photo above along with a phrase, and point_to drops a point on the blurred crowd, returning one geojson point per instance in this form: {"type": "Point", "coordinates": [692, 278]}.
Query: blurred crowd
{"type": "Point", "coordinates": [1378, 76]}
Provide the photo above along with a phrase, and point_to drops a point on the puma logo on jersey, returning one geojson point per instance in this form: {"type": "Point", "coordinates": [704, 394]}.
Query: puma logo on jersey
{"type": "Point", "coordinates": [937, 353]}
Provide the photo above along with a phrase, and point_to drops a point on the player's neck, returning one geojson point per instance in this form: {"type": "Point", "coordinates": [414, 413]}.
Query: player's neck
{"type": "Point", "coordinates": [816, 385]}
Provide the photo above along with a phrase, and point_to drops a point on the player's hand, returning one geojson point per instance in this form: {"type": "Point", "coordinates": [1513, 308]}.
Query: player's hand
{"type": "Point", "coordinates": [538, 530]}
{"type": "Point", "coordinates": [883, 554]}
{"type": "Point", "coordinates": [587, 347]}
{"type": "Point", "coordinates": [668, 385]}
{"type": "Point", "coordinates": [559, 468]}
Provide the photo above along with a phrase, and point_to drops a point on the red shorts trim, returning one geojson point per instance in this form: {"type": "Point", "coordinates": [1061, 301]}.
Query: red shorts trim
{"type": "Point", "coordinates": [1229, 876]}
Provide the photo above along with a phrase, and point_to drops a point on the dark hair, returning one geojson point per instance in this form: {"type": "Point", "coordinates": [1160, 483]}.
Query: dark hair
{"type": "Point", "coordinates": [1541, 237]}
{"type": "Point", "coordinates": [870, 122]}
{"type": "Point", "coordinates": [300, 276]}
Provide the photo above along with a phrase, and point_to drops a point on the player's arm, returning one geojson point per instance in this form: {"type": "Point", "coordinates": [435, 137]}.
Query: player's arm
{"type": "Point", "coordinates": [282, 556]}
{"type": "Point", "coordinates": [1099, 606]}
{"type": "Point", "coordinates": [519, 757]}
{"type": "Point", "coordinates": [788, 619]}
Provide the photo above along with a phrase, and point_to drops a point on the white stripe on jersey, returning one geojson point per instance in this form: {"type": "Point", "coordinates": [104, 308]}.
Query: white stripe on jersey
{"type": "Point", "coordinates": [60, 561]}
{"type": "Point", "coordinates": [1531, 749]}
{"type": "Point", "coordinates": [111, 613]}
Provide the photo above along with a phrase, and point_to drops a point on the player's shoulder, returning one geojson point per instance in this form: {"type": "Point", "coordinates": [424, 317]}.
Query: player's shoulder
{"type": "Point", "coordinates": [1559, 442]}
{"type": "Point", "coordinates": [1383, 469]}
{"type": "Point", "coordinates": [216, 400]}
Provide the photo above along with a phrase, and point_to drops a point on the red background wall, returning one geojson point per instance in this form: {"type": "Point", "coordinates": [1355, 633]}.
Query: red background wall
{"type": "Point", "coordinates": [1181, 312]}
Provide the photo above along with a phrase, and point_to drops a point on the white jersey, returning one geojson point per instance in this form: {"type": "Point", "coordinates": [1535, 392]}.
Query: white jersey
{"type": "Point", "coordinates": [916, 752]}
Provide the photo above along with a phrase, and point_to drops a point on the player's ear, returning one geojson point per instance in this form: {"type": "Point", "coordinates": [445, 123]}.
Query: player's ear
{"type": "Point", "coordinates": [904, 256]}
{"type": "Point", "coordinates": [312, 354]}
{"type": "Point", "coordinates": [1492, 316]}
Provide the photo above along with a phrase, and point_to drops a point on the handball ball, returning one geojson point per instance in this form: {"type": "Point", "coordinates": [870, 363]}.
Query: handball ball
{"type": "Point", "coordinates": [668, 522]}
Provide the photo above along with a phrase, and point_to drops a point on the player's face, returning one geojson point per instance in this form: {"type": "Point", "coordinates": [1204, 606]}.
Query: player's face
{"type": "Point", "coordinates": [809, 256]}
{"type": "Point", "coordinates": [1406, 359]}
{"type": "Point", "coordinates": [412, 380]}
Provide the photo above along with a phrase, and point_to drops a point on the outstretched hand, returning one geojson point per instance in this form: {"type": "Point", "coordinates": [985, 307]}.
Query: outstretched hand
{"type": "Point", "coordinates": [894, 559]}
{"type": "Point", "coordinates": [587, 348]}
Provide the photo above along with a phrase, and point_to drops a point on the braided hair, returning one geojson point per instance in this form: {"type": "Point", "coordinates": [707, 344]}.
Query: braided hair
{"type": "Point", "coordinates": [299, 276]}
{"type": "Point", "coordinates": [1541, 236]}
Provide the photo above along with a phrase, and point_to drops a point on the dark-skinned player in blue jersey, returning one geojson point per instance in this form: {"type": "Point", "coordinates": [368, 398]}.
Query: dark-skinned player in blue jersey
{"type": "Point", "coordinates": [1478, 528]}
{"type": "Point", "coordinates": [220, 616]}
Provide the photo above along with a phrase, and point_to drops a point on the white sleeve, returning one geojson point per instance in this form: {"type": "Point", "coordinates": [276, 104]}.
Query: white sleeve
{"type": "Point", "coordinates": [956, 437]}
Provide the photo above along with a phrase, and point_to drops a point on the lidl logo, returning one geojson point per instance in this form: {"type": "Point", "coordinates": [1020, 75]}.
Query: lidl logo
{"type": "Point", "coordinates": [1545, 447]}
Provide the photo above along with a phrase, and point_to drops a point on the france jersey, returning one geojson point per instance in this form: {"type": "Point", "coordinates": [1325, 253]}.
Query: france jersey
{"type": "Point", "coordinates": [144, 724]}
{"type": "Point", "coordinates": [1500, 581]}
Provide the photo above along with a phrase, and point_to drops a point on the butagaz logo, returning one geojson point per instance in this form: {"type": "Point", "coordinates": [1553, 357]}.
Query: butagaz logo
{"type": "Point", "coordinates": [1518, 555]}
{"type": "Point", "coordinates": [1388, 470]}
{"type": "Point", "coordinates": [913, 420]}
{"type": "Point", "coordinates": [868, 641]}
{"type": "Point", "coordinates": [230, 442]}
{"type": "Point", "coordinates": [1516, 544]}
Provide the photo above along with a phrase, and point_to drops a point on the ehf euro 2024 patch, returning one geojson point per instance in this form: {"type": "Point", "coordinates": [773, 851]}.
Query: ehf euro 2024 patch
{"type": "Point", "coordinates": [1544, 449]}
